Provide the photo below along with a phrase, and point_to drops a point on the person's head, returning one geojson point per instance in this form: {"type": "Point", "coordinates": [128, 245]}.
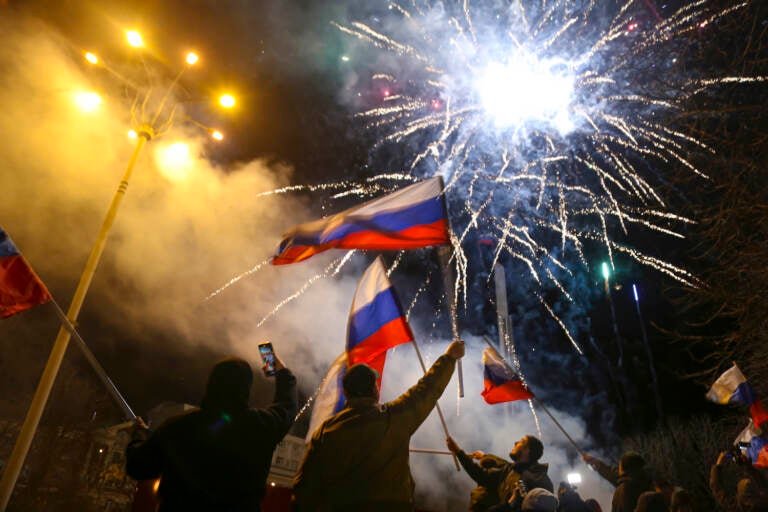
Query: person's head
{"type": "Point", "coordinates": [682, 501]}
{"type": "Point", "coordinates": [631, 463]}
{"type": "Point", "coordinates": [229, 385]}
{"type": "Point", "coordinates": [539, 500]}
{"type": "Point", "coordinates": [651, 501]}
{"type": "Point", "coordinates": [593, 505]}
{"type": "Point", "coordinates": [662, 485]}
{"type": "Point", "coordinates": [360, 382]}
{"type": "Point", "coordinates": [527, 449]}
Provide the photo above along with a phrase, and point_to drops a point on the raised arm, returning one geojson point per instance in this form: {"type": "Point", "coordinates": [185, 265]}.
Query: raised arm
{"type": "Point", "coordinates": [487, 477]}
{"type": "Point", "coordinates": [413, 406]}
{"type": "Point", "coordinates": [278, 417]}
{"type": "Point", "coordinates": [610, 473]}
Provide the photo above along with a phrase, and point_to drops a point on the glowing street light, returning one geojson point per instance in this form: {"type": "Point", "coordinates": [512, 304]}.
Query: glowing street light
{"type": "Point", "coordinates": [134, 38]}
{"type": "Point", "coordinates": [227, 100]}
{"type": "Point", "coordinates": [175, 161]}
{"type": "Point", "coordinates": [217, 135]}
{"type": "Point", "coordinates": [574, 478]}
{"type": "Point", "coordinates": [132, 134]}
{"type": "Point", "coordinates": [87, 101]}
{"type": "Point", "coordinates": [192, 58]}
{"type": "Point", "coordinates": [91, 57]}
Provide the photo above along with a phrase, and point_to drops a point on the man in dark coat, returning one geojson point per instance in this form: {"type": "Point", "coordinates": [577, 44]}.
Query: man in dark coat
{"type": "Point", "coordinates": [502, 481]}
{"type": "Point", "coordinates": [217, 457]}
{"type": "Point", "coordinates": [751, 493]}
{"type": "Point", "coordinates": [357, 460]}
{"type": "Point", "coordinates": [631, 479]}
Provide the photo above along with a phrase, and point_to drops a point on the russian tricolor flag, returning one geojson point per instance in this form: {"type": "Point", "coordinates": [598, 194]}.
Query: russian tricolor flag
{"type": "Point", "coordinates": [376, 320]}
{"type": "Point", "coordinates": [732, 388]}
{"type": "Point", "coordinates": [501, 384]}
{"type": "Point", "coordinates": [376, 324]}
{"type": "Point", "coordinates": [756, 445]}
{"type": "Point", "coordinates": [409, 218]}
{"type": "Point", "coordinates": [20, 288]}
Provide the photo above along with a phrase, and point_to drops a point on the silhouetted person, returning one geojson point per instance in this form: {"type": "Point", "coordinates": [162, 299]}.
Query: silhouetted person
{"type": "Point", "coordinates": [651, 501]}
{"type": "Point", "coordinates": [357, 460]}
{"type": "Point", "coordinates": [503, 481]}
{"type": "Point", "coordinates": [751, 491]}
{"type": "Point", "coordinates": [631, 479]}
{"type": "Point", "coordinates": [216, 458]}
{"type": "Point", "coordinates": [569, 499]}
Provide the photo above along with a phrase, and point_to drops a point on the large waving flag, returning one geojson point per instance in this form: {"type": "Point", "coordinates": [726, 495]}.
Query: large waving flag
{"type": "Point", "coordinates": [376, 320]}
{"type": "Point", "coordinates": [501, 384]}
{"type": "Point", "coordinates": [732, 388]}
{"type": "Point", "coordinates": [20, 288]}
{"type": "Point", "coordinates": [409, 218]}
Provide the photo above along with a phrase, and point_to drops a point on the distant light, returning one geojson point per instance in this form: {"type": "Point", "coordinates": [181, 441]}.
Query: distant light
{"type": "Point", "coordinates": [574, 478]}
{"type": "Point", "coordinates": [606, 271]}
{"type": "Point", "coordinates": [87, 101]}
{"type": "Point", "coordinates": [386, 93]}
{"type": "Point", "coordinates": [134, 38]}
{"type": "Point", "coordinates": [634, 292]}
{"type": "Point", "coordinates": [91, 57]}
{"type": "Point", "coordinates": [702, 24]}
{"type": "Point", "coordinates": [192, 58]}
{"type": "Point", "coordinates": [216, 134]}
{"type": "Point", "coordinates": [101, 450]}
{"type": "Point", "coordinates": [132, 134]}
{"type": "Point", "coordinates": [436, 104]}
{"type": "Point", "coordinates": [632, 27]}
{"type": "Point", "coordinates": [156, 486]}
{"type": "Point", "coordinates": [345, 58]}
{"type": "Point", "coordinates": [175, 162]}
{"type": "Point", "coordinates": [272, 484]}
{"type": "Point", "coordinates": [227, 100]}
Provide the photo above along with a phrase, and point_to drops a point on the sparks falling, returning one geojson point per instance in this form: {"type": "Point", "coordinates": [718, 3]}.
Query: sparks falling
{"type": "Point", "coordinates": [549, 121]}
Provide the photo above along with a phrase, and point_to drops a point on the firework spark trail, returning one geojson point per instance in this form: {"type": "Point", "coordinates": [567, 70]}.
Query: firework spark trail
{"type": "Point", "coordinates": [331, 270]}
{"type": "Point", "coordinates": [237, 278]}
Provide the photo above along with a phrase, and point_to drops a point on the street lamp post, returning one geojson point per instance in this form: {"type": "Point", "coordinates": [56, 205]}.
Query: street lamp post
{"type": "Point", "coordinates": [145, 133]}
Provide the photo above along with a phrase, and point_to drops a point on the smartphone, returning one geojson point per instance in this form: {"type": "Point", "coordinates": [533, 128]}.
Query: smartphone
{"type": "Point", "coordinates": [267, 354]}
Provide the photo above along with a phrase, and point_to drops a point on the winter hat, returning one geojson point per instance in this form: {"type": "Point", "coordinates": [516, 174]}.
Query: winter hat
{"type": "Point", "coordinates": [360, 381]}
{"type": "Point", "coordinates": [539, 500]}
{"type": "Point", "coordinates": [229, 385]}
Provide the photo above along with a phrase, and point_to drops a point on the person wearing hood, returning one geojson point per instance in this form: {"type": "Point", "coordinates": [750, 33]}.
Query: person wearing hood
{"type": "Point", "coordinates": [524, 469]}
{"type": "Point", "coordinates": [216, 457]}
{"type": "Point", "coordinates": [631, 479]}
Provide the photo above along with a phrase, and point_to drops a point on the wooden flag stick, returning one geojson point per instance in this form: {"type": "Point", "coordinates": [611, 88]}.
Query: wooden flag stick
{"type": "Point", "coordinates": [437, 404]}
{"type": "Point", "coordinates": [543, 407]}
{"type": "Point", "coordinates": [437, 452]}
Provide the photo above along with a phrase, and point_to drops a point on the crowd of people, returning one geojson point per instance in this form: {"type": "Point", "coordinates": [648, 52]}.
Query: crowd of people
{"type": "Point", "coordinates": [217, 458]}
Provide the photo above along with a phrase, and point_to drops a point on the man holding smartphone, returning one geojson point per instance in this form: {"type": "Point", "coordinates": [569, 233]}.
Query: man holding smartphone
{"type": "Point", "coordinates": [218, 456]}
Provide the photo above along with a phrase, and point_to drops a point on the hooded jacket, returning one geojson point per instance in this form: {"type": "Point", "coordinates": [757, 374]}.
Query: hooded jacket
{"type": "Point", "coordinates": [358, 459]}
{"type": "Point", "coordinates": [217, 457]}
{"type": "Point", "coordinates": [629, 486]}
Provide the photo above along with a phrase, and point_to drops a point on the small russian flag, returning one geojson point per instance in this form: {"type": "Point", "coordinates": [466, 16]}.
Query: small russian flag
{"type": "Point", "coordinates": [757, 445]}
{"type": "Point", "coordinates": [409, 218]}
{"type": "Point", "coordinates": [20, 288]}
{"type": "Point", "coordinates": [501, 383]}
{"type": "Point", "coordinates": [732, 388]}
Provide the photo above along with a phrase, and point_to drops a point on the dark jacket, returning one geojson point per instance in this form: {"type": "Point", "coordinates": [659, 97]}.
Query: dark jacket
{"type": "Point", "coordinates": [629, 486]}
{"type": "Point", "coordinates": [503, 480]}
{"type": "Point", "coordinates": [358, 459]}
{"type": "Point", "coordinates": [482, 498]}
{"type": "Point", "coordinates": [751, 493]}
{"type": "Point", "coordinates": [217, 457]}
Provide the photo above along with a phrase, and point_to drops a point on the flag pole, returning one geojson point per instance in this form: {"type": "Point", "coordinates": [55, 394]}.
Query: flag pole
{"type": "Point", "coordinates": [445, 253]}
{"type": "Point", "coordinates": [100, 372]}
{"type": "Point", "coordinates": [437, 404]}
{"type": "Point", "coordinates": [34, 413]}
{"type": "Point", "coordinates": [437, 452]}
{"type": "Point", "coordinates": [543, 407]}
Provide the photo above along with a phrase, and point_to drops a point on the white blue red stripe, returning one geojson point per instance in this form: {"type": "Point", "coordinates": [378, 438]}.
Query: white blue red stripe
{"type": "Point", "coordinates": [20, 288]}
{"type": "Point", "coordinates": [500, 382]}
{"type": "Point", "coordinates": [733, 388]}
{"type": "Point", "coordinates": [376, 319]}
{"type": "Point", "coordinates": [409, 218]}
{"type": "Point", "coordinates": [756, 445]}
{"type": "Point", "coordinates": [330, 395]}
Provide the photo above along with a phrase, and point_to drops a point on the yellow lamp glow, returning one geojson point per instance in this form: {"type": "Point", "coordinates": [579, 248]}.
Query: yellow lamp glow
{"type": "Point", "coordinates": [132, 134]}
{"type": "Point", "coordinates": [216, 134]}
{"type": "Point", "coordinates": [91, 57]}
{"type": "Point", "coordinates": [134, 38]}
{"type": "Point", "coordinates": [192, 58]}
{"type": "Point", "coordinates": [175, 161]}
{"type": "Point", "coordinates": [227, 100]}
{"type": "Point", "coordinates": [87, 101]}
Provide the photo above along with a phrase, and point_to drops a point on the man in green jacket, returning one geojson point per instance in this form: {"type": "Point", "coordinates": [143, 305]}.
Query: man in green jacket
{"type": "Point", "coordinates": [501, 482]}
{"type": "Point", "coordinates": [358, 459]}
